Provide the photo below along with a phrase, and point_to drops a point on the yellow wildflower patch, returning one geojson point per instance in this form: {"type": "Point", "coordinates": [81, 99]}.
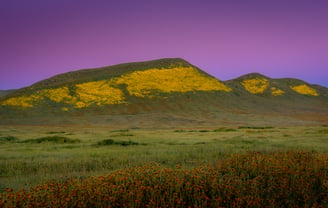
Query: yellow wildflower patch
{"type": "Point", "coordinates": [276, 92]}
{"type": "Point", "coordinates": [64, 109]}
{"type": "Point", "coordinates": [99, 93]}
{"type": "Point", "coordinates": [138, 83]}
{"type": "Point", "coordinates": [179, 79]}
{"type": "Point", "coordinates": [256, 85]}
{"type": "Point", "coordinates": [57, 95]}
{"type": "Point", "coordinates": [305, 90]}
{"type": "Point", "coordinates": [22, 101]}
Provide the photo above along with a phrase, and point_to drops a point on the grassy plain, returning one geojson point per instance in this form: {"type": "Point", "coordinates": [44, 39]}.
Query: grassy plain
{"type": "Point", "coordinates": [34, 154]}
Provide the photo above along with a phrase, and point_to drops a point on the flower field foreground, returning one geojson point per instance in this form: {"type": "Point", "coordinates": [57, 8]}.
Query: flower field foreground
{"type": "Point", "coordinates": [278, 179]}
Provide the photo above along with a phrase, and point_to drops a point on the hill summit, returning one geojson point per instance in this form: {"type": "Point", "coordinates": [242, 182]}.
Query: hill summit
{"type": "Point", "coordinates": [114, 85]}
{"type": "Point", "coordinates": [166, 87]}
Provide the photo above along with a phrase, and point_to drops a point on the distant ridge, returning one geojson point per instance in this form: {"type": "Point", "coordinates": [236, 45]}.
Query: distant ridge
{"type": "Point", "coordinates": [251, 76]}
{"type": "Point", "coordinates": [275, 87]}
{"type": "Point", "coordinates": [170, 88]}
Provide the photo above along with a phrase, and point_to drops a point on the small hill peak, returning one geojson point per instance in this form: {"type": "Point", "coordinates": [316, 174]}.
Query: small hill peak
{"type": "Point", "coordinates": [254, 83]}
{"type": "Point", "coordinates": [252, 76]}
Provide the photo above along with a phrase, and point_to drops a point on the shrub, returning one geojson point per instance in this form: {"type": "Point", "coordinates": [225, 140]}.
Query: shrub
{"type": "Point", "coordinates": [8, 139]}
{"type": "Point", "coordinates": [106, 142]}
{"type": "Point", "coordinates": [256, 127]}
{"type": "Point", "coordinates": [179, 130]}
{"type": "Point", "coordinates": [323, 131]}
{"type": "Point", "coordinates": [56, 132]}
{"type": "Point", "coordinates": [53, 139]}
{"type": "Point", "coordinates": [112, 142]}
{"type": "Point", "coordinates": [278, 179]}
{"type": "Point", "coordinates": [203, 130]}
{"type": "Point", "coordinates": [120, 130]}
{"type": "Point", "coordinates": [122, 135]}
{"type": "Point", "coordinates": [126, 143]}
{"type": "Point", "coordinates": [223, 130]}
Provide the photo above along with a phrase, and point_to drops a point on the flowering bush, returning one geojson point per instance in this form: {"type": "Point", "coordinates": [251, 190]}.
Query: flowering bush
{"type": "Point", "coordinates": [279, 179]}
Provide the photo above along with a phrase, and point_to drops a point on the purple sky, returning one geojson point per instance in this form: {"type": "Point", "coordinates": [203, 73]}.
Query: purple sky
{"type": "Point", "coordinates": [279, 38]}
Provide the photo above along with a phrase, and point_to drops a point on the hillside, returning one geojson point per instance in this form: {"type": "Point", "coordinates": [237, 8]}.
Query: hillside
{"type": "Point", "coordinates": [163, 92]}
{"type": "Point", "coordinates": [3, 93]}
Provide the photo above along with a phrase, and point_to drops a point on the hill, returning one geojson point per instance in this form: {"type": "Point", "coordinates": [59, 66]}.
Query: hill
{"type": "Point", "coordinates": [165, 92]}
{"type": "Point", "coordinates": [3, 93]}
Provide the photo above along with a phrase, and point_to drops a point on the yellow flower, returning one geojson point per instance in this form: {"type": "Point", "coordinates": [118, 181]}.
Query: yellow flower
{"type": "Point", "coordinates": [305, 90]}
{"type": "Point", "coordinates": [21, 101]}
{"type": "Point", "coordinates": [58, 94]}
{"type": "Point", "coordinates": [138, 83]}
{"type": "Point", "coordinates": [276, 92]}
{"type": "Point", "coordinates": [179, 79]}
{"type": "Point", "coordinates": [64, 109]}
{"type": "Point", "coordinates": [98, 93]}
{"type": "Point", "coordinates": [256, 85]}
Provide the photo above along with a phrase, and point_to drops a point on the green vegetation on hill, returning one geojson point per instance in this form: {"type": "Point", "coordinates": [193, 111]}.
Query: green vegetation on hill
{"type": "Point", "coordinates": [255, 83]}
{"type": "Point", "coordinates": [173, 76]}
{"type": "Point", "coordinates": [3, 93]}
{"type": "Point", "coordinates": [167, 135]}
{"type": "Point", "coordinates": [171, 91]}
{"type": "Point", "coordinates": [103, 73]}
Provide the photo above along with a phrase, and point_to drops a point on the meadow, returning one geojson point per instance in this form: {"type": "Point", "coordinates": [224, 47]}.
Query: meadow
{"type": "Point", "coordinates": [42, 161]}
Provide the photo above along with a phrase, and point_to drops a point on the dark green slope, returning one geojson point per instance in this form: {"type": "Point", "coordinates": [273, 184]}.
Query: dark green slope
{"type": "Point", "coordinates": [3, 93]}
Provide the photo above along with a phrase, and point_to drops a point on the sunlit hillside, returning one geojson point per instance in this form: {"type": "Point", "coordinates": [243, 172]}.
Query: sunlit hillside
{"type": "Point", "coordinates": [164, 91]}
{"type": "Point", "coordinates": [144, 83]}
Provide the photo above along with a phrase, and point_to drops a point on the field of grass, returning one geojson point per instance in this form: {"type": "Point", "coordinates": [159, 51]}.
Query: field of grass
{"type": "Point", "coordinates": [31, 155]}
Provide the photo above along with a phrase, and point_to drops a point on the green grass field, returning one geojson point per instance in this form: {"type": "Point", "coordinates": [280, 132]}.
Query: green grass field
{"type": "Point", "coordinates": [34, 154]}
{"type": "Point", "coordinates": [116, 138]}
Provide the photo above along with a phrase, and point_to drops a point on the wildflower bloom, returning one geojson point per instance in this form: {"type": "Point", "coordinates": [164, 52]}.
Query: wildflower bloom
{"type": "Point", "coordinates": [256, 85]}
{"type": "Point", "coordinates": [278, 179]}
{"type": "Point", "coordinates": [106, 92]}
{"type": "Point", "coordinates": [275, 91]}
{"type": "Point", "coordinates": [304, 90]}
{"type": "Point", "coordinates": [179, 79]}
